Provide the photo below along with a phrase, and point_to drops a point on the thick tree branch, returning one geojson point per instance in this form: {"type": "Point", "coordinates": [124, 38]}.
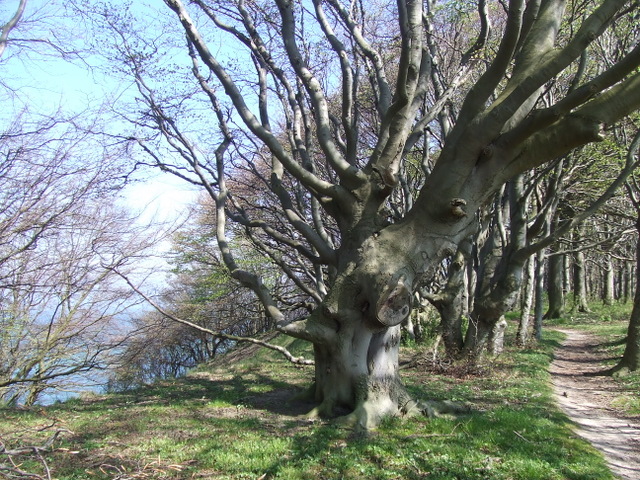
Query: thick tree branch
{"type": "Point", "coordinates": [544, 117]}
{"type": "Point", "coordinates": [348, 85]}
{"type": "Point", "coordinates": [413, 72]}
{"type": "Point", "coordinates": [477, 97]}
{"type": "Point", "coordinates": [382, 84]}
{"type": "Point", "coordinates": [303, 175]}
{"type": "Point", "coordinates": [347, 172]}
{"type": "Point", "coordinates": [532, 73]}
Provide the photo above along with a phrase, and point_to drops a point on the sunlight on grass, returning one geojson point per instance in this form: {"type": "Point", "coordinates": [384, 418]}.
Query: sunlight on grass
{"type": "Point", "coordinates": [237, 422]}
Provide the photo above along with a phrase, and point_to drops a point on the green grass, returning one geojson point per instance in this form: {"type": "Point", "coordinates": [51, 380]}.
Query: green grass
{"type": "Point", "coordinates": [236, 422]}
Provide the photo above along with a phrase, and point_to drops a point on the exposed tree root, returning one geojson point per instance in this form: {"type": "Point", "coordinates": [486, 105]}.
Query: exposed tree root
{"type": "Point", "coordinates": [368, 415]}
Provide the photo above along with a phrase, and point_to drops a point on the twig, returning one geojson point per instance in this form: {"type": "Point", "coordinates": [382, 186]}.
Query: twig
{"type": "Point", "coordinates": [13, 470]}
{"type": "Point", "coordinates": [34, 448]}
{"type": "Point", "coordinates": [520, 435]}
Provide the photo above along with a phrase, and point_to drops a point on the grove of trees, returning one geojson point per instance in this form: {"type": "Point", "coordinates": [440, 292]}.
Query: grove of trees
{"type": "Point", "coordinates": [365, 159]}
{"type": "Point", "coordinates": [357, 146]}
{"type": "Point", "coordinates": [64, 312]}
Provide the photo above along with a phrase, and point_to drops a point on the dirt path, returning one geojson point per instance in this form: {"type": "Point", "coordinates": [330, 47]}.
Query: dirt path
{"type": "Point", "coordinates": [587, 401]}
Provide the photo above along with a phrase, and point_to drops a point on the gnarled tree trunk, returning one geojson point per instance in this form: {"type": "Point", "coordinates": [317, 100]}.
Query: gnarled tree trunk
{"type": "Point", "coordinates": [356, 332]}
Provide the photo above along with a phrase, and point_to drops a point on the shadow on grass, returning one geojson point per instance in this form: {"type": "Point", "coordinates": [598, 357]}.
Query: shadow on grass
{"type": "Point", "coordinates": [248, 425]}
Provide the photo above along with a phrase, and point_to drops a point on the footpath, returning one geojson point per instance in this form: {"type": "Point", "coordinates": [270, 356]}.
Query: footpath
{"type": "Point", "coordinates": [586, 399]}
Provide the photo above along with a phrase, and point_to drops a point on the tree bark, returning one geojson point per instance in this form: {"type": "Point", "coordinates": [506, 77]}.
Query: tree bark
{"type": "Point", "coordinates": [527, 298]}
{"type": "Point", "coordinates": [580, 301]}
{"type": "Point", "coordinates": [628, 281]}
{"type": "Point", "coordinates": [496, 337]}
{"type": "Point", "coordinates": [539, 294]}
{"type": "Point", "coordinates": [450, 302]}
{"type": "Point", "coordinates": [555, 286]}
{"type": "Point", "coordinates": [608, 295]}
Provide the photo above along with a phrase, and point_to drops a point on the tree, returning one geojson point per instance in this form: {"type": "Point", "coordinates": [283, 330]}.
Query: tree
{"type": "Point", "coordinates": [335, 101]}
{"type": "Point", "coordinates": [61, 306]}
{"type": "Point", "coordinates": [631, 357]}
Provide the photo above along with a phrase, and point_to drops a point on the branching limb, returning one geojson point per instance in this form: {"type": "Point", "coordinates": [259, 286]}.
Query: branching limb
{"type": "Point", "coordinates": [532, 73]}
{"type": "Point", "coordinates": [288, 355]}
{"type": "Point", "coordinates": [10, 25]}
{"type": "Point", "coordinates": [310, 180]}
{"type": "Point", "coordinates": [476, 99]}
{"type": "Point", "coordinates": [412, 75]}
{"type": "Point", "coordinates": [348, 106]}
{"type": "Point", "coordinates": [345, 171]}
{"type": "Point", "coordinates": [382, 83]}
{"type": "Point", "coordinates": [483, 35]}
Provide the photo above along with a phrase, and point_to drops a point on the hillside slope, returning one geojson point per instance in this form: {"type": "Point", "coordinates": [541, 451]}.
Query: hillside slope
{"type": "Point", "coordinates": [241, 418]}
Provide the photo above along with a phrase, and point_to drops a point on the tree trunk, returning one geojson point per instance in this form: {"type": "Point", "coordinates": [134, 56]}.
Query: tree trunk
{"type": "Point", "coordinates": [496, 337]}
{"type": "Point", "coordinates": [356, 332]}
{"type": "Point", "coordinates": [409, 327]}
{"type": "Point", "coordinates": [360, 371]}
{"type": "Point", "coordinates": [628, 282]}
{"type": "Point", "coordinates": [609, 282]}
{"type": "Point", "coordinates": [631, 356]}
{"type": "Point", "coordinates": [526, 303]}
{"type": "Point", "coordinates": [555, 286]}
{"type": "Point", "coordinates": [499, 276]}
{"type": "Point", "coordinates": [580, 301]}
{"type": "Point", "coordinates": [539, 294]}
{"type": "Point", "coordinates": [486, 328]}
{"type": "Point", "coordinates": [33, 394]}
{"type": "Point", "coordinates": [450, 302]}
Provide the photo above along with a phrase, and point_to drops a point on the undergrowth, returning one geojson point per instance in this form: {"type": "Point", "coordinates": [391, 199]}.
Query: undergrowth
{"type": "Point", "coordinates": [243, 419]}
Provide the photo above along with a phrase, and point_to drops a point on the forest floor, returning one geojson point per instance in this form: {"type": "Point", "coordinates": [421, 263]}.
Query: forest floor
{"type": "Point", "coordinates": [238, 418]}
{"type": "Point", "coordinates": [586, 396]}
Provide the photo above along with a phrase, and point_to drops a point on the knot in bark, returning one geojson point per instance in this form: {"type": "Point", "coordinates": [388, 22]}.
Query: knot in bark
{"type": "Point", "coordinates": [457, 209]}
{"type": "Point", "coordinates": [395, 303]}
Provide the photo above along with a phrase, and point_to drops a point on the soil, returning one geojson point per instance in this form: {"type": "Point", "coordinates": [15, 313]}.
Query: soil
{"type": "Point", "coordinates": [586, 396]}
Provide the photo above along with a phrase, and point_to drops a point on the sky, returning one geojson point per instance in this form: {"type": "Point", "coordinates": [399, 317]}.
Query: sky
{"type": "Point", "coordinates": [41, 81]}
{"type": "Point", "coordinates": [37, 80]}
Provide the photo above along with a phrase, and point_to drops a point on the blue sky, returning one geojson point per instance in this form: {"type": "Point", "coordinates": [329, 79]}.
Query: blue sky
{"type": "Point", "coordinates": [39, 80]}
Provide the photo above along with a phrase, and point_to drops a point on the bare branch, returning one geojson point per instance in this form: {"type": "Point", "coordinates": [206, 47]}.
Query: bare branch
{"type": "Point", "coordinates": [306, 177]}
{"type": "Point", "coordinates": [10, 25]}
{"type": "Point", "coordinates": [235, 338]}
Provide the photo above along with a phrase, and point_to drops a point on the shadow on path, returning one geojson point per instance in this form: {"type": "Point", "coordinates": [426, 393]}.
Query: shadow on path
{"type": "Point", "coordinates": [586, 399]}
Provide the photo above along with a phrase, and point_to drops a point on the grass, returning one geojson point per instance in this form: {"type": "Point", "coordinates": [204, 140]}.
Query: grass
{"type": "Point", "coordinates": [238, 421]}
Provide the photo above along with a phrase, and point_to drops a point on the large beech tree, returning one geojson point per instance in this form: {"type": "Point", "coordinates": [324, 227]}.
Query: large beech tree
{"type": "Point", "coordinates": [332, 108]}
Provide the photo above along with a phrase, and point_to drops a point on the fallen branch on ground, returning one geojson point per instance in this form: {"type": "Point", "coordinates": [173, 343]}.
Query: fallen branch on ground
{"type": "Point", "coordinates": [14, 471]}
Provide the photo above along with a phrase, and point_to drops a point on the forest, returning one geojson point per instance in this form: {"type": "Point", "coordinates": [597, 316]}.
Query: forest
{"type": "Point", "coordinates": [390, 204]}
